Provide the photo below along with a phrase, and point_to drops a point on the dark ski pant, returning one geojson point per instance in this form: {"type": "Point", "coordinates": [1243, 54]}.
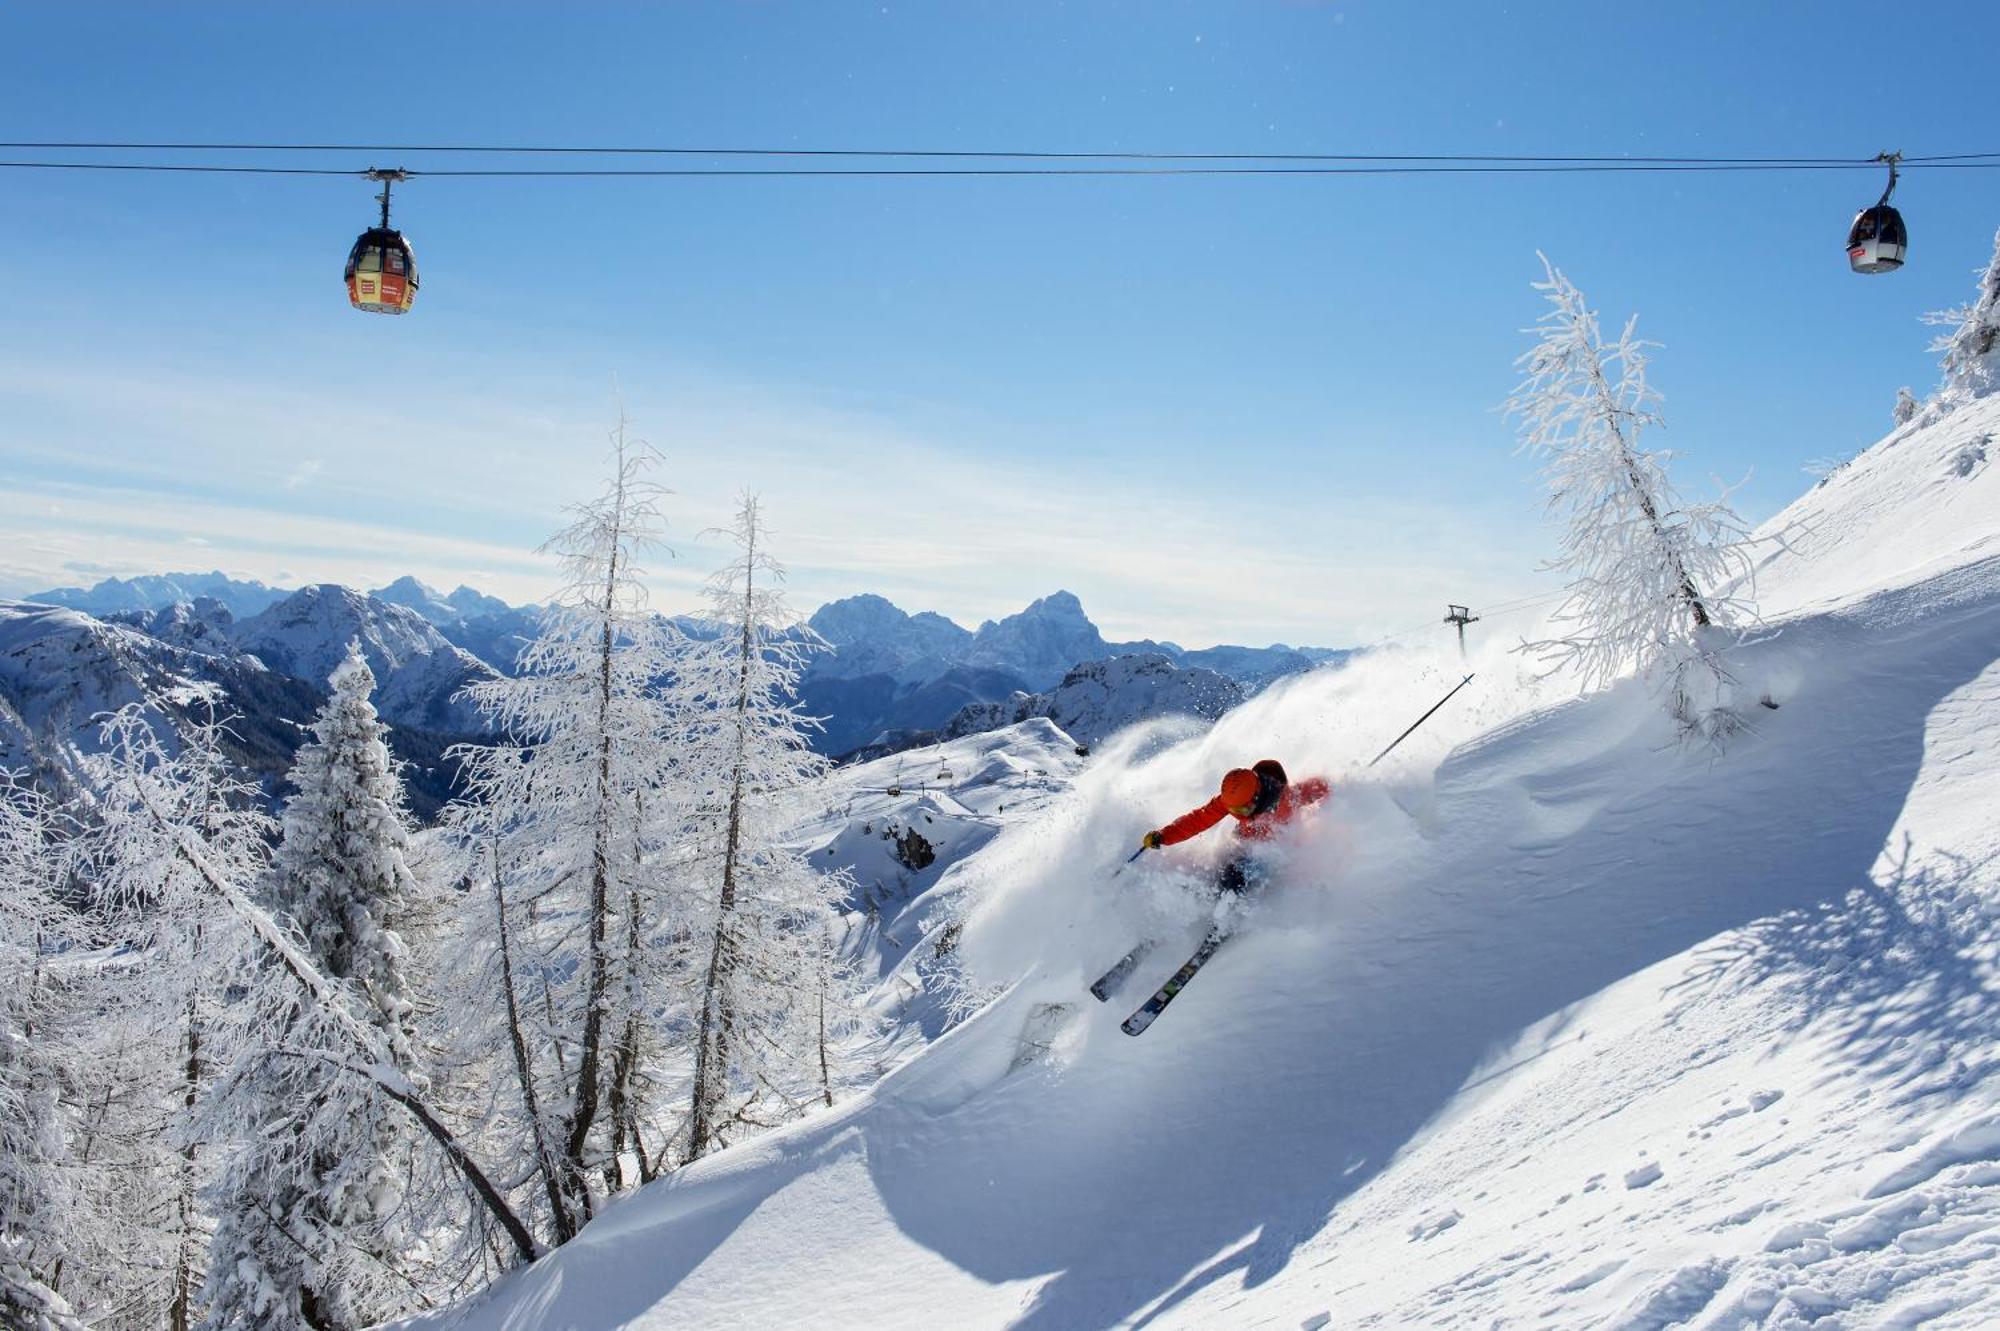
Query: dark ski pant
{"type": "Point", "coordinates": [1239, 875]}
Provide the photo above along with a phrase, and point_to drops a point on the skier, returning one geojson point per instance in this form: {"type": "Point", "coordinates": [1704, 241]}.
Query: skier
{"type": "Point", "coordinates": [1261, 800]}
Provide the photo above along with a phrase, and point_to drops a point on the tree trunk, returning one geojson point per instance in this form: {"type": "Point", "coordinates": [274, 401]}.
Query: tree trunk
{"type": "Point", "coordinates": [1612, 411]}
{"type": "Point", "coordinates": [524, 1073]}
{"type": "Point", "coordinates": [583, 1114]}
{"type": "Point", "coordinates": [825, 1073]}
{"type": "Point", "coordinates": [181, 1307]}
{"type": "Point", "coordinates": [625, 1106]}
{"type": "Point", "coordinates": [712, 1060]}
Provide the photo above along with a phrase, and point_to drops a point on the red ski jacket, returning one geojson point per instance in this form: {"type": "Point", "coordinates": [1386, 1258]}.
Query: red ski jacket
{"type": "Point", "coordinates": [1257, 827]}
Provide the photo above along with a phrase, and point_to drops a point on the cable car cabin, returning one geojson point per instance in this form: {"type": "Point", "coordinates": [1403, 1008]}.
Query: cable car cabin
{"type": "Point", "coordinates": [1878, 241]}
{"type": "Point", "coordinates": [381, 272]}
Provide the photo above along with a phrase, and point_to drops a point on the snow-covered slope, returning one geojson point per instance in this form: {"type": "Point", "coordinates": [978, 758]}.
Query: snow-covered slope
{"type": "Point", "coordinates": [1924, 499]}
{"type": "Point", "coordinates": [905, 825]}
{"type": "Point", "coordinates": [1547, 1021]}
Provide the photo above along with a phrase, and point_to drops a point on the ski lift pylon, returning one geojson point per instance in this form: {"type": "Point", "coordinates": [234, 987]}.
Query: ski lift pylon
{"type": "Point", "coordinates": [381, 270]}
{"type": "Point", "coordinates": [1878, 241]}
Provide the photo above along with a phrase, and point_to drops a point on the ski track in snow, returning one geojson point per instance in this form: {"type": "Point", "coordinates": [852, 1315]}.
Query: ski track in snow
{"type": "Point", "coordinates": [1548, 1023]}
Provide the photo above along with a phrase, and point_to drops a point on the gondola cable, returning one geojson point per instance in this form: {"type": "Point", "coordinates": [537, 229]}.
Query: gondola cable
{"type": "Point", "coordinates": [984, 154]}
{"type": "Point", "coordinates": [1604, 168]}
{"type": "Point", "coordinates": [381, 272]}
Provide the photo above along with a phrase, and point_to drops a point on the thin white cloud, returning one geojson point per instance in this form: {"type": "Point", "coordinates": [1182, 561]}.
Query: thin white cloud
{"type": "Point", "coordinates": [455, 484]}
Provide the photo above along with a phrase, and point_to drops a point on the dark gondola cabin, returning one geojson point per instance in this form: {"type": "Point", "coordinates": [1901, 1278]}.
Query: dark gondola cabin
{"type": "Point", "coordinates": [1878, 241]}
{"type": "Point", "coordinates": [381, 272]}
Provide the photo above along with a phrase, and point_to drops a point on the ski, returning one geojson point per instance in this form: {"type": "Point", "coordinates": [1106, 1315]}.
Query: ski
{"type": "Point", "coordinates": [1109, 983]}
{"type": "Point", "coordinates": [1154, 1006]}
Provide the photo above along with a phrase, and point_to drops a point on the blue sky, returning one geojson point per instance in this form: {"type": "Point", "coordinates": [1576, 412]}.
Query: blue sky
{"type": "Point", "coordinates": [1218, 409]}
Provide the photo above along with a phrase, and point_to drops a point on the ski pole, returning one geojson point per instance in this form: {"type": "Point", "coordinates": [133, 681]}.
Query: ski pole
{"type": "Point", "coordinates": [1419, 721]}
{"type": "Point", "coordinates": [1135, 854]}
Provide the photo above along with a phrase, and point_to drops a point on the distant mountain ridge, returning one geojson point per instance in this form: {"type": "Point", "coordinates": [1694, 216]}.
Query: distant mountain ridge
{"type": "Point", "coordinates": [461, 605]}
{"type": "Point", "coordinates": [889, 674]}
{"type": "Point", "coordinates": [894, 679]}
{"type": "Point", "coordinates": [158, 591]}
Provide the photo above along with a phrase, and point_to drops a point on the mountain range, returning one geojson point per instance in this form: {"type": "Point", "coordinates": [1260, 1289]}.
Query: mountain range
{"type": "Point", "coordinates": [887, 679]}
{"type": "Point", "coordinates": [61, 668]}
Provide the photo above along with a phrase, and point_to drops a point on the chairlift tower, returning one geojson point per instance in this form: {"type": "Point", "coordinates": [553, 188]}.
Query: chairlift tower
{"type": "Point", "coordinates": [1461, 616]}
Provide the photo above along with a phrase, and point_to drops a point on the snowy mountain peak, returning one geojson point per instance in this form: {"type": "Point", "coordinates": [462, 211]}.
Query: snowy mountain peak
{"type": "Point", "coordinates": [472, 603]}
{"type": "Point", "coordinates": [852, 617]}
{"type": "Point", "coordinates": [872, 636]}
{"type": "Point", "coordinates": [202, 625]}
{"type": "Point", "coordinates": [1040, 643]}
{"type": "Point", "coordinates": [307, 633]}
{"type": "Point", "coordinates": [440, 609]}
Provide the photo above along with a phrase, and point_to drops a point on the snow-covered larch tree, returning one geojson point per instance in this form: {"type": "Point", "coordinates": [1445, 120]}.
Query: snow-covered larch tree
{"type": "Point", "coordinates": [1650, 577]}
{"type": "Point", "coordinates": [175, 833]}
{"type": "Point", "coordinates": [765, 926]}
{"type": "Point", "coordinates": [307, 1211]}
{"type": "Point", "coordinates": [1971, 350]}
{"type": "Point", "coordinates": [39, 1209]}
{"type": "Point", "coordinates": [573, 810]}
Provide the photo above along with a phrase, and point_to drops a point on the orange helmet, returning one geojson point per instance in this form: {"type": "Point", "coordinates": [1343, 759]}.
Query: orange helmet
{"type": "Point", "coordinates": [1240, 787]}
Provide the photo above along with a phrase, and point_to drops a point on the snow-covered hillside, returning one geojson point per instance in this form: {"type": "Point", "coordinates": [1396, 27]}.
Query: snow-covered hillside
{"type": "Point", "coordinates": [905, 825]}
{"type": "Point", "coordinates": [1099, 698]}
{"type": "Point", "coordinates": [61, 670]}
{"type": "Point", "coordinates": [1547, 1021]}
{"type": "Point", "coordinates": [420, 672]}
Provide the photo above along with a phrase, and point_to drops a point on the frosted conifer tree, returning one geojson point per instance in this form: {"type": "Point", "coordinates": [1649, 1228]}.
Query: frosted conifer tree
{"type": "Point", "coordinates": [306, 1232]}
{"type": "Point", "coordinates": [764, 934]}
{"type": "Point", "coordinates": [226, 991]}
{"type": "Point", "coordinates": [1971, 350]}
{"type": "Point", "coordinates": [569, 839]}
{"type": "Point", "coordinates": [1906, 406]}
{"type": "Point", "coordinates": [1648, 573]}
